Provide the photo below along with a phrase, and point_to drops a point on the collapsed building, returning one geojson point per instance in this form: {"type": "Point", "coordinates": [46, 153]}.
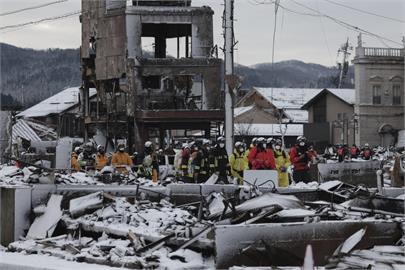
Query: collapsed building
{"type": "Point", "coordinates": [143, 95]}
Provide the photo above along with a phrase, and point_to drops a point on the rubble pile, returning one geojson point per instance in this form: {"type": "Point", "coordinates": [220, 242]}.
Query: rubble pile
{"type": "Point", "coordinates": [139, 233]}
{"type": "Point", "coordinates": [13, 175]}
{"type": "Point", "coordinates": [115, 231]}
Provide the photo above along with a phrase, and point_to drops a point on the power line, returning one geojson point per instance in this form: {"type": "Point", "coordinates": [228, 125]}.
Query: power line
{"type": "Point", "coordinates": [347, 25]}
{"type": "Point", "coordinates": [33, 7]}
{"type": "Point", "coordinates": [40, 21]}
{"type": "Point", "coordinates": [324, 34]}
{"type": "Point", "coordinates": [365, 12]}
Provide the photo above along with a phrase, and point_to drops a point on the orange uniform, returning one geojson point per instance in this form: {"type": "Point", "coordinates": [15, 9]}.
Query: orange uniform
{"type": "Point", "coordinates": [101, 161]}
{"type": "Point", "coordinates": [120, 160]}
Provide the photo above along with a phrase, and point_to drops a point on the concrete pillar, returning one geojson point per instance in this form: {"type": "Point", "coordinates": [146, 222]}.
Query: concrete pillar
{"type": "Point", "coordinates": [134, 36]}
{"type": "Point", "coordinates": [160, 46]}
{"type": "Point", "coordinates": [15, 209]}
{"type": "Point", "coordinates": [201, 36]}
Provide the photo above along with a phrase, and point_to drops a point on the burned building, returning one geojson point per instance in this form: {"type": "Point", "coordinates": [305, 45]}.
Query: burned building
{"type": "Point", "coordinates": [143, 94]}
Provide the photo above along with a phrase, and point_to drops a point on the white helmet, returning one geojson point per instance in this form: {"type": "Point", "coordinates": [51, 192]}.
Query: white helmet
{"type": "Point", "coordinates": [238, 144]}
{"type": "Point", "coordinates": [148, 144]}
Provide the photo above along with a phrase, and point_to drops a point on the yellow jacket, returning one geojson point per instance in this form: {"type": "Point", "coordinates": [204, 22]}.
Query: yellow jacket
{"type": "Point", "coordinates": [282, 161]}
{"type": "Point", "coordinates": [121, 159]}
{"type": "Point", "coordinates": [101, 161]}
{"type": "Point", "coordinates": [238, 163]}
{"type": "Point", "coordinates": [74, 163]}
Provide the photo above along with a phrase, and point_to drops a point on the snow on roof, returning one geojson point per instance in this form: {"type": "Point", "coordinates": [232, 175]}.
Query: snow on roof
{"type": "Point", "coordinates": [268, 129]}
{"type": "Point", "coordinates": [55, 104]}
{"type": "Point", "coordinates": [288, 98]}
{"type": "Point", "coordinates": [241, 110]}
{"type": "Point", "coordinates": [348, 95]}
{"type": "Point", "coordinates": [297, 116]}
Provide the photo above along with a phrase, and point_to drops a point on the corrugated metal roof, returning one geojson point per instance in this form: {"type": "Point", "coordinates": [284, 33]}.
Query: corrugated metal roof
{"type": "Point", "coordinates": [23, 130]}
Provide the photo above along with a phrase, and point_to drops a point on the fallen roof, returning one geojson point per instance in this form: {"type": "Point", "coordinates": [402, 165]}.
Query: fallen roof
{"type": "Point", "coordinates": [32, 131]}
{"type": "Point", "coordinates": [55, 104]}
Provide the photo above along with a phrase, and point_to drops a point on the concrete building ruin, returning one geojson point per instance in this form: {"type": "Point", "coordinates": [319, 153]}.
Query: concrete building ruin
{"type": "Point", "coordinates": [143, 95]}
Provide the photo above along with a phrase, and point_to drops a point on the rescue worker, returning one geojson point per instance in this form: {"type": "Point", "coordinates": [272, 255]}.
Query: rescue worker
{"type": "Point", "coordinates": [121, 161]}
{"type": "Point", "coordinates": [101, 158]}
{"type": "Point", "coordinates": [251, 146]}
{"type": "Point", "coordinates": [282, 163]}
{"type": "Point", "coordinates": [238, 162]}
{"type": "Point", "coordinates": [222, 166]}
{"type": "Point", "coordinates": [367, 152]}
{"type": "Point", "coordinates": [341, 153]}
{"type": "Point", "coordinates": [270, 143]}
{"type": "Point", "coordinates": [301, 158]}
{"type": "Point", "coordinates": [184, 164]}
{"type": "Point", "coordinates": [211, 149]}
{"type": "Point", "coordinates": [200, 164]}
{"type": "Point", "coordinates": [354, 151]}
{"type": "Point", "coordinates": [74, 163]}
{"type": "Point", "coordinates": [86, 158]}
{"type": "Point", "coordinates": [150, 163]}
{"type": "Point", "coordinates": [260, 158]}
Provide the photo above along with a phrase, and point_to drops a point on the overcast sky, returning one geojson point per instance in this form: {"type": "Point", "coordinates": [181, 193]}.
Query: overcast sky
{"type": "Point", "coordinates": [308, 38]}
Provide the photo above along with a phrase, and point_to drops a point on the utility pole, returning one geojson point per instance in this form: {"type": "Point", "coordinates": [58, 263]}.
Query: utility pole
{"type": "Point", "coordinates": [344, 66]}
{"type": "Point", "coordinates": [229, 44]}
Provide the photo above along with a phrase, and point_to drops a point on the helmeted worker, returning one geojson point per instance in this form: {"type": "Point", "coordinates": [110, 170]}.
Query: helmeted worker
{"type": "Point", "coordinates": [238, 162]}
{"type": "Point", "coordinates": [270, 143]}
{"type": "Point", "coordinates": [260, 158]}
{"type": "Point", "coordinates": [86, 158]}
{"type": "Point", "coordinates": [222, 166]}
{"type": "Point", "coordinates": [150, 162]}
{"type": "Point", "coordinates": [184, 164]}
{"type": "Point", "coordinates": [101, 158]}
{"type": "Point", "coordinates": [367, 152]}
{"type": "Point", "coordinates": [200, 164]}
{"type": "Point", "coordinates": [282, 163]}
{"type": "Point", "coordinates": [251, 146]}
{"type": "Point", "coordinates": [301, 158]}
{"type": "Point", "coordinates": [74, 163]}
{"type": "Point", "coordinates": [121, 161]}
{"type": "Point", "coordinates": [354, 151]}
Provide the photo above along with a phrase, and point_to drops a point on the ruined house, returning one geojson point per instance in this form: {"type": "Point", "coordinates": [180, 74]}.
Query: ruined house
{"type": "Point", "coordinates": [144, 95]}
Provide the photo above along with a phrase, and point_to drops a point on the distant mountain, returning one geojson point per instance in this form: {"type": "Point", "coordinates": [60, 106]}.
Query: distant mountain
{"type": "Point", "coordinates": [292, 73]}
{"type": "Point", "coordinates": [33, 75]}
{"type": "Point", "coordinates": [30, 76]}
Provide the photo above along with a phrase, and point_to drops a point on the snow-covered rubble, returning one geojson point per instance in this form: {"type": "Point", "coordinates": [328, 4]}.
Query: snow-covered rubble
{"type": "Point", "coordinates": [127, 229]}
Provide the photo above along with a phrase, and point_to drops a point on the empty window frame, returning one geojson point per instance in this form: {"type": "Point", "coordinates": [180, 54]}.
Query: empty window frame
{"type": "Point", "coordinates": [376, 94]}
{"type": "Point", "coordinates": [396, 94]}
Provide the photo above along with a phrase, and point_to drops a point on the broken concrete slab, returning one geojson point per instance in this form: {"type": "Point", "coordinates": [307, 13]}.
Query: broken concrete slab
{"type": "Point", "coordinates": [45, 224]}
{"type": "Point", "coordinates": [80, 205]}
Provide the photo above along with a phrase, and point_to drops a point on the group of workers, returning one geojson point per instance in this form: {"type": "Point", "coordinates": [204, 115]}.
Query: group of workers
{"type": "Point", "coordinates": [343, 152]}
{"type": "Point", "coordinates": [199, 160]}
{"type": "Point", "coordinates": [84, 158]}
